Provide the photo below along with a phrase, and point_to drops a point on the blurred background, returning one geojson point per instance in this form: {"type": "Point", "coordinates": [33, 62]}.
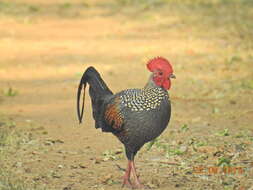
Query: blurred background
{"type": "Point", "coordinates": [46, 45]}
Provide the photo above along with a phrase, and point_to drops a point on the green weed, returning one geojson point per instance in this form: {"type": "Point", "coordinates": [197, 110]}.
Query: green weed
{"type": "Point", "coordinates": [223, 161]}
{"type": "Point", "coordinates": [247, 84]}
{"type": "Point", "coordinates": [112, 155]}
{"type": "Point", "coordinates": [65, 6]}
{"type": "Point", "coordinates": [241, 134]}
{"type": "Point", "coordinates": [151, 143]}
{"type": "Point", "coordinates": [233, 59]}
{"type": "Point", "coordinates": [173, 152]}
{"type": "Point", "coordinates": [10, 92]}
{"type": "Point", "coordinates": [216, 110]}
{"type": "Point", "coordinates": [33, 9]}
{"type": "Point", "coordinates": [158, 143]}
{"type": "Point", "coordinates": [165, 147]}
{"type": "Point", "coordinates": [184, 128]}
{"type": "Point", "coordinates": [223, 133]}
{"type": "Point", "coordinates": [200, 143]}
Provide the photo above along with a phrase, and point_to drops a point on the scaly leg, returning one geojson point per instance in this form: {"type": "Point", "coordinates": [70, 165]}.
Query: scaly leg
{"type": "Point", "coordinates": [137, 184]}
{"type": "Point", "coordinates": [126, 177]}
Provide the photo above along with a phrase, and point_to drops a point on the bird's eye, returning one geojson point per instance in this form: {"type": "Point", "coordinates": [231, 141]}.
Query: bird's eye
{"type": "Point", "coordinates": [160, 73]}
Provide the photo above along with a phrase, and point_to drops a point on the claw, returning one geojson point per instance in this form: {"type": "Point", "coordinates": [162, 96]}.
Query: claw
{"type": "Point", "coordinates": [126, 179]}
{"type": "Point", "coordinates": [139, 186]}
{"type": "Point", "coordinates": [127, 183]}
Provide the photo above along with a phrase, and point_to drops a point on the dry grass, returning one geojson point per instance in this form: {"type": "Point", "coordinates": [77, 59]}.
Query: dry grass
{"type": "Point", "coordinates": [10, 141]}
{"type": "Point", "coordinates": [45, 45]}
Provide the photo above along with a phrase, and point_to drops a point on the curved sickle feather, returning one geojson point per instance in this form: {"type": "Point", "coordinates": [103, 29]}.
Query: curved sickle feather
{"type": "Point", "coordinates": [82, 84]}
{"type": "Point", "coordinates": [92, 77]}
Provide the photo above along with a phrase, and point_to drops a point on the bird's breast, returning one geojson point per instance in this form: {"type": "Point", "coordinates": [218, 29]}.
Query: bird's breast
{"type": "Point", "coordinates": [143, 100]}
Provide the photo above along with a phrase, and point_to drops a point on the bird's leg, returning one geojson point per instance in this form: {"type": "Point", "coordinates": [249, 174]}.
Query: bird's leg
{"type": "Point", "coordinates": [126, 177]}
{"type": "Point", "coordinates": [137, 183]}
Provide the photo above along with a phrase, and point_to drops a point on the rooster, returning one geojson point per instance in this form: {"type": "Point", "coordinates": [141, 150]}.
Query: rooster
{"type": "Point", "coordinates": [134, 116]}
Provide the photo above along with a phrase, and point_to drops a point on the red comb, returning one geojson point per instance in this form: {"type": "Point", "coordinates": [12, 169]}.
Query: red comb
{"type": "Point", "coordinates": [159, 63]}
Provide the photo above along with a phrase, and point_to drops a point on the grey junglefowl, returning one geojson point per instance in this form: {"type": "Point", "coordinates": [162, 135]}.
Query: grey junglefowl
{"type": "Point", "coordinates": [134, 116]}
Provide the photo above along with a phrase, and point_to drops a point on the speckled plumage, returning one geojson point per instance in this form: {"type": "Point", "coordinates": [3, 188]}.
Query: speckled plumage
{"type": "Point", "coordinates": [143, 99]}
{"type": "Point", "coordinates": [144, 113]}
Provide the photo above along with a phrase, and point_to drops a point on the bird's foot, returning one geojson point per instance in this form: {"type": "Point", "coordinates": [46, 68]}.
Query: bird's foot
{"type": "Point", "coordinates": [139, 186]}
{"type": "Point", "coordinates": [126, 183]}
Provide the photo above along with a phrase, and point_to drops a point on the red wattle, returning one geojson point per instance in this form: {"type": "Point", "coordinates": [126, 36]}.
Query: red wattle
{"type": "Point", "coordinates": [166, 84]}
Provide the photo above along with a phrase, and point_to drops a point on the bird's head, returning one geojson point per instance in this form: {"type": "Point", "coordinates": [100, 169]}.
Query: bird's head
{"type": "Point", "coordinates": [162, 72]}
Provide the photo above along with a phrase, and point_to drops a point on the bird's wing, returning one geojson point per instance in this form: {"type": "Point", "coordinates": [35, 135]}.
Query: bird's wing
{"type": "Point", "coordinates": [113, 115]}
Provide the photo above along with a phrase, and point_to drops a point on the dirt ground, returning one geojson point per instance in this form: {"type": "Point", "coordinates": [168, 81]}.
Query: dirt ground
{"type": "Point", "coordinates": [46, 46]}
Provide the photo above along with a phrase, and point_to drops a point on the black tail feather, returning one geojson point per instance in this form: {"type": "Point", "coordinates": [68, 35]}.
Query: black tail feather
{"type": "Point", "coordinates": [80, 114]}
{"type": "Point", "coordinates": [93, 78]}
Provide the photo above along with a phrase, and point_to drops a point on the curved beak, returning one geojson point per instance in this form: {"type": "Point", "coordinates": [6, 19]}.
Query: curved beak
{"type": "Point", "coordinates": [172, 76]}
